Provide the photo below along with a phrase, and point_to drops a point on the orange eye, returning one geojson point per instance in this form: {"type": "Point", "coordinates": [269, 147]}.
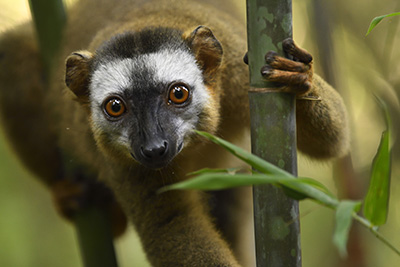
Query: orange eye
{"type": "Point", "coordinates": [178, 94]}
{"type": "Point", "coordinates": [114, 107]}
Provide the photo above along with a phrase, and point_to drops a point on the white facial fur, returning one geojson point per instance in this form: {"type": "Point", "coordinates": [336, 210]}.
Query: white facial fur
{"type": "Point", "coordinates": [114, 77]}
{"type": "Point", "coordinates": [167, 66]}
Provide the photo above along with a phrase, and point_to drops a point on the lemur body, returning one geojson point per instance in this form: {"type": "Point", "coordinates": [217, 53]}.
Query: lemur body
{"type": "Point", "coordinates": [147, 76]}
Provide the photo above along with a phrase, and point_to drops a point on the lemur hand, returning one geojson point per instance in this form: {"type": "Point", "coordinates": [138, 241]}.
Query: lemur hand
{"type": "Point", "coordinates": [294, 73]}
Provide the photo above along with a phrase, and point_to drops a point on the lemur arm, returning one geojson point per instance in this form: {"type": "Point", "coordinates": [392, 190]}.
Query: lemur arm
{"type": "Point", "coordinates": [322, 124]}
{"type": "Point", "coordinates": [322, 128]}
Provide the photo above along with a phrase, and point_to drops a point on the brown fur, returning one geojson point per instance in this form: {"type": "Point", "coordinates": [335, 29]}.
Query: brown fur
{"type": "Point", "coordinates": [77, 74]}
{"type": "Point", "coordinates": [207, 50]}
{"type": "Point", "coordinates": [176, 228]}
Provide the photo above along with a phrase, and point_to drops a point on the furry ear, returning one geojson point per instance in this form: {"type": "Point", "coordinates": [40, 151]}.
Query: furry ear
{"type": "Point", "coordinates": [206, 48]}
{"type": "Point", "coordinates": [77, 74]}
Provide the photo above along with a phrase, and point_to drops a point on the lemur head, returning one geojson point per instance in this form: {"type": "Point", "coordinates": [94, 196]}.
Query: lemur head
{"type": "Point", "coordinates": [147, 91]}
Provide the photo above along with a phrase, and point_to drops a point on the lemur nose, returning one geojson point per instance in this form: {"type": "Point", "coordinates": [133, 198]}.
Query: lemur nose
{"type": "Point", "coordinates": [154, 151]}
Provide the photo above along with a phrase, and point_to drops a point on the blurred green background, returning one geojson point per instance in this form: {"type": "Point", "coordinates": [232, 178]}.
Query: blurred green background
{"type": "Point", "coordinates": [32, 234]}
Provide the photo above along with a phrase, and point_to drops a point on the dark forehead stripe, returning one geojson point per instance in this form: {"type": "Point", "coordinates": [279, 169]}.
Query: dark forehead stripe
{"type": "Point", "coordinates": [132, 44]}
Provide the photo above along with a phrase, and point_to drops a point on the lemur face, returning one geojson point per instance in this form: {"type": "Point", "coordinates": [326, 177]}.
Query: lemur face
{"type": "Point", "coordinates": [146, 98]}
{"type": "Point", "coordinates": [145, 92]}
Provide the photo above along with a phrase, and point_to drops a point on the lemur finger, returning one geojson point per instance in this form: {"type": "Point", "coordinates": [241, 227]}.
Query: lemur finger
{"type": "Point", "coordinates": [285, 77]}
{"type": "Point", "coordinates": [290, 82]}
{"type": "Point", "coordinates": [281, 63]}
{"type": "Point", "coordinates": [292, 49]}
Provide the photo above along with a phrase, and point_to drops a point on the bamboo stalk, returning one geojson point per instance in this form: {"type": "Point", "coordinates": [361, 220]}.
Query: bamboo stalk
{"type": "Point", "coordinates": [49, 19]}
{"type": "Point", "coordinates": [92, 224]}
{"type": "Point", "coordinates": [95, 238]}
{"type": "Point", "coordinates": [273, 134]}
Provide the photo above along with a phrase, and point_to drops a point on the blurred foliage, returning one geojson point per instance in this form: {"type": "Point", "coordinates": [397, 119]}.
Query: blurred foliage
{"type": "Point", "coordinates": [33, 235]}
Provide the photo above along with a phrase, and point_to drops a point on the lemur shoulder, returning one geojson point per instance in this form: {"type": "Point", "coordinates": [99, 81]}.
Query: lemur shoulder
{"type": "Point", "coordinates": [140, 76]}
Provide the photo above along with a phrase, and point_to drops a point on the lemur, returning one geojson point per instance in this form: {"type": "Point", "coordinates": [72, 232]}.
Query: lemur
{"type": "Point", "coordinates": [140, 76]}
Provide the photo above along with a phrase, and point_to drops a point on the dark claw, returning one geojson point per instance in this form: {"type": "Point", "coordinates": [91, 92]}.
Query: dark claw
{"type": "Point", "coordinates": [288, 44]}
{"type": "Point", "coordinates": [246, 59]}
{"type": "Point", "coordinates": [266, 70]}
{"type": "Point", "coordinates": [270, 57]}
{"type": "Point", "coordinates": [297, 54]}
{"type": "Point", "coordinates": [308, 59]}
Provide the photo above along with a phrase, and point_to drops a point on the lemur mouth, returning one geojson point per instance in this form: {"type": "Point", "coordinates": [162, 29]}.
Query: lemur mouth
{"type": "Point", "coordinates": [154, 164]}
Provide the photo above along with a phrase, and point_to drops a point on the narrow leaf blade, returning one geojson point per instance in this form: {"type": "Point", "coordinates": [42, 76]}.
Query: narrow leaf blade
{"type": "Point", "coordinates": [316, 184]}
{"type": "Point", "coordinates": [254, 161]}
{"type": "Point", "coordinates": [377, 199]}
{"type": "Point", "coordinates": [299, 188]}
{"type": "Point", "coordinates": [303, 187]}
{"type": "Point", "coordinates": [208, 170]}
{"type": "Point", "coordinates": [218, 181]}
{"type": "Point", "coordinates": [376, 202]}
{"type": "Point", "coordinates": [344, 213]}
{"type": "Point", "coordinates": [378, 19]}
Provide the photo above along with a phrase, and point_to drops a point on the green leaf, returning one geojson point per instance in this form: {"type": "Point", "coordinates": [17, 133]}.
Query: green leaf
{"type": "Point", "coordinates": [303, 186]}
{"type": "Point", "coordinates": [297, 188]}
{"type": "Point", "coordinates": [293, 194]}
{"type": "Point", "coordinates": [315, 184]}
{"type": "Point", "coordinates": [218, 181]}
{"type": "Point", "coordinates": [376, 20]}
{"type": "Point", "coordinates": [208, 170]}
{"type": "Point", "coordinates": [344, 213]}
{"type": "Point", "coordinates": [377, 200]}
{"type": "Point", "coordinates": [254, 161]}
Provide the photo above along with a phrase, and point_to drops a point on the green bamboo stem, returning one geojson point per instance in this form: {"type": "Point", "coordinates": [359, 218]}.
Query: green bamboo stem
{"type": "Point", "coordinates": [273, 134]}
{"type": "Point", "coordinates": [49, 19]}
{"type": "Point", "coordinates": [95, 238]}
{"type": "Point", "coordinates": [92, 224]}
